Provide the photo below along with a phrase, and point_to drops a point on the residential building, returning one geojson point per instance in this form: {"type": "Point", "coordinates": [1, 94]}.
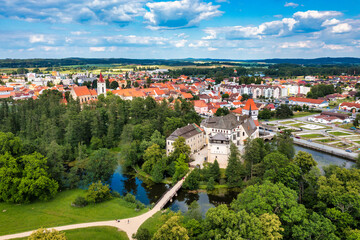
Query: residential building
{"type": "Point", "coordinates": [308, 101]}
{"type": "Point", "coordinates": [83, 94]}
{"type": "Point", "coordinates": [194, 137]}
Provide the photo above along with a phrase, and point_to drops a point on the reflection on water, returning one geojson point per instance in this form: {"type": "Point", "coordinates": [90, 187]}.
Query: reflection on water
{"type": "Point", "coordinates": [124, 183]}
{"type": "Point", "coordinates": [324, 159]}
{"type": "Point", "coordinates": [206, 201]}
{"type": "Point", "coordinates": [148, 192]}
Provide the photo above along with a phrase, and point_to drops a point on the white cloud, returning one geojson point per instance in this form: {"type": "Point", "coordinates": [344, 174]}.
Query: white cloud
{"type": "Point", "coordinates": [334, 47]}
{"type": "Point", "coordinates": [139, 40]}
{"type": "Point", "coordinates": [97, 49]}
{"type": "Point", "coordinates": [300, 44]}
{"type": "Point", "coordinates": [78, 33]}
{"type": "Point", "coordinates": [179, 14]}
{"type": "Point", "coordinates": [291, 4]}
{"type": "Point", "coordinates": [341, 28]}
{"type": "Point", "coordinates": [199, 43]}
{"type": "Point", "coordinates": [312, 14]}
{"type": "Point", "coordinates": [330, 22]}
{"type": "Point", "coordinates": [40, 38]}
{"type": "Point", "coordinates": [48, 48]}
{"type": "Point", "coordinates": [212, 49]}
{"type": "Point", "coordinates": [179, 43]}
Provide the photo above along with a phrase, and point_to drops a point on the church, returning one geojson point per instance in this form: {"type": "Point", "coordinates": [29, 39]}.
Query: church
{"type": "Point", "coordinates": [84, 95]}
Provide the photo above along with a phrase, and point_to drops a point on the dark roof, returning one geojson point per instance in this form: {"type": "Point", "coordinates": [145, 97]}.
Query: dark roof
{"type": "Point", "coordinates": [339, 115]}
{"type": "Point", "coordinates": [219, 137]}
{"type": "Point", "coordinates": [185, 132]}
{"type": "Point", "coordinates": [230, 122]}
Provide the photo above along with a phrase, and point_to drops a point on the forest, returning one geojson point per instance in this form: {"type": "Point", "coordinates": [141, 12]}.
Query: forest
{"type": "Point", "coordinates": [68, 141]}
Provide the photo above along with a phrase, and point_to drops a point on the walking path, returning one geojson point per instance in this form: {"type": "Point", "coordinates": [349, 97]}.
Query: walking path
{"type": "Point", "coordinates": [129, 225]}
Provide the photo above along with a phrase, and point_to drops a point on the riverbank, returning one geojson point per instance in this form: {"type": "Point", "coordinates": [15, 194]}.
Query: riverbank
{"type": "Point", "coordinates": [326, 149]}
{"type": "Point", "coordinates": [58, 211]}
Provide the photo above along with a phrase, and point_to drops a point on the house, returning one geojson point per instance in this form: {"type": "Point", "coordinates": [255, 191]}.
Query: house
{"type": "Point", "coordinates": [232, 128]}
{"type": "Point", "coordinates": [270, 106]}
{"type": "Point", "coordinates": [251, 109]}
{"type": "Point", "coordinates": [83, 94]}
{"type": "Point", "coordinates": [308, 101]}
{"type": "Point", "coordinates": [348, 106]}
{"type": "Point", "coordinates": [194, 137]}
{"type": "Point", "coordinates": [201, 107]}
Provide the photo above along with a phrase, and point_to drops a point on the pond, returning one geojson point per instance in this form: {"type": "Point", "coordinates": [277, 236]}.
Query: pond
{"type": "Point", "coordinates": [148, 192]}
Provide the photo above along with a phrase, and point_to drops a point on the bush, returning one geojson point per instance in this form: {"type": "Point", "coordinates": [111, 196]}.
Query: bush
{"type": "Point", "coordinates": [98, 192]}
{"type": "Point", "coordinates": [130, 198]}
{"type": "Point", "coordinates": [80, 202]}
{"type": "Point", "coordinates": [142, 234]}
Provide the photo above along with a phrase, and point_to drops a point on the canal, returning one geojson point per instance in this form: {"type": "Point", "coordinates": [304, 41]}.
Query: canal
{"type": "Point", "coordinates": [148, 192]}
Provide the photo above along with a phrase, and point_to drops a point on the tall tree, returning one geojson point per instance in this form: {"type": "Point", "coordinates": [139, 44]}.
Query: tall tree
{"type": "Point", "coordinates": [234, 170]}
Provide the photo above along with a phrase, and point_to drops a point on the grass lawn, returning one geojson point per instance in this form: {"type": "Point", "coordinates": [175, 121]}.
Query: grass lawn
{"type": "Point", "coordinates": [93, 233]}
{"type": "Point", "coordinates": [297, 124]}
{"type": "Point", "coordinates": [287, 122]}
{"type": "Point", "coordinates": [96, 233]}
{"type": "Point", "coordinates": [153, 224]}
{"type": "Point", "coordinates": [58, 211]}
{"type": "Point", "coordinates": [339, 133]}
{"type": "Point", "coordinates": [303, 114]}
{"type": "Point", "coordinates": [314, 135]}
{"type": "Point", "coordinates": [325, 140]}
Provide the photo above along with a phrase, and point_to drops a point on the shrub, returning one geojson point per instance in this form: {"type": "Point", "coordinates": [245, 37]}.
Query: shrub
{"type": "Point", "coordinates": [211, 184]}
{"type": "Point", "coordinates": [130, 198]}
{"type": "Point", "coordinates": [142, 234]}
{"type": "Point", "coordinates": [80, 202]}
{"type": "Point", "coordinates": [98, 192]}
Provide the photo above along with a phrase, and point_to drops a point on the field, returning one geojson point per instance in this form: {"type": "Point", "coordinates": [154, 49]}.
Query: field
{"type": "Point", "coordinates": [93, 233]}
{"type": "Point", "coordinates": [314, 135]}
{"type": "Point", "coordinates": [339, 133]}
{"type": "Point", "coordinates": [96, 233]}
{"type": "Point", "coordinates": [17, 218]}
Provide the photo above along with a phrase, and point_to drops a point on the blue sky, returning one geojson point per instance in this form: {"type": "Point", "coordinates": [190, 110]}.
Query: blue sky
{"type": "Point", "coordinates": [226, 29]}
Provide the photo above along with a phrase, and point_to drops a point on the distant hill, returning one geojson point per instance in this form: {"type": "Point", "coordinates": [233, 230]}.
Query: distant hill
{"type": "Point", "coordinates": [39, 62]}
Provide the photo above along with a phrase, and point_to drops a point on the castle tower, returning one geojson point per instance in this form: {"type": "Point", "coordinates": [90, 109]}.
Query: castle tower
{"type": "Point", "coordinates": [101, 86]}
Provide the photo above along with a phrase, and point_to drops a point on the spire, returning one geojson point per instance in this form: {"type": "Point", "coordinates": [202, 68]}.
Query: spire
{"type": "Point", "coordinates": [250, 111]}
{"type": "Point", "coordinates": [101, 78]}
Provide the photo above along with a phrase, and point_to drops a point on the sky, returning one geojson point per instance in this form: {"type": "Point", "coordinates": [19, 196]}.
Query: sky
{"type": "Point", "coordinates": [221, 29]}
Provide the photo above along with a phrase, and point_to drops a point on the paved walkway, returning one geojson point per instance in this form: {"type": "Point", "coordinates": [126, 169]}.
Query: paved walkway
{"type": "Point", "coordinates": [128, 225]}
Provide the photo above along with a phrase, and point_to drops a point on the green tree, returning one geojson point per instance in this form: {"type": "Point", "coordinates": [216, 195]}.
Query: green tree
{"type": "Point", "coordinates": [171, 230]}
{"type": "Point", "coordinates": [222, 111]}
{"type": "Point", "coordinates": [97, 192]}
{"type": "Point", "coordinates": [142, 234]}
{"type": "Point", "coordinates": [316, 227]}
{"type": "Point", "coordinates": [214, 170]}
{"type": "Point", "coordinates": [234, 170]}
{"type": "Point", "coordinates": [114, 85]}
{"type": "Point", "coordinates": [100, 166]}
{"type": "Point", "coordinates": [210, 184]}
{"type": "Point", "coordinates": [305, 162]}
{"type": "Point", "coordinates": [46, 234]}
{"type": "Point", "coordinates": [180, 147]}
{"type": "Point", "coordinates": [157, 172]}
{"type": "Point", "coordinates": [254, 154]}
{"type": "Point", "coordinates": [35, 183]}
{"type": "Point", "coordinates": [265, 114]}
{"type": "Point", "coordinates": [181, 168]}
{"type": "Point", "coordinates": [152, 155]}
{"type": "Point", "coordinates": [284, 143]}
{"type": "Point", "coordinates": [283, 111]}
{"type": "Point", "coordinates": [9, 143]}
{"type": "Point", "coordinates": [192, 181]}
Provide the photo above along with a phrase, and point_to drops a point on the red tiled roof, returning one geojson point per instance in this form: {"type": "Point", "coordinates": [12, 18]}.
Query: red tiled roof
{"type": "Point", "coordinates": [101, 78]}
{"type": "Point", "coordinates": [250, 102]}
{"type": "Point", "coordinates": [83, 91]}
{"type": "Point", "coordinates": [308, 100]}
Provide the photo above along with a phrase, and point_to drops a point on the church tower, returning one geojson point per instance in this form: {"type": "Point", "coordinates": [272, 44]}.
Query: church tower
{"type": "Point", "coordinates": [101, 86]}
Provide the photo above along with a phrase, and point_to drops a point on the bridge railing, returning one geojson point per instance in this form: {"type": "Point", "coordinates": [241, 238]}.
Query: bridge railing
{"type": "Point", "coordinates": [177, 186]}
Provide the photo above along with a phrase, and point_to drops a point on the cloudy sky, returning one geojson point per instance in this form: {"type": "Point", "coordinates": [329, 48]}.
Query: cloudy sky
{"type": "Point", "coordinates": [226, 29]}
